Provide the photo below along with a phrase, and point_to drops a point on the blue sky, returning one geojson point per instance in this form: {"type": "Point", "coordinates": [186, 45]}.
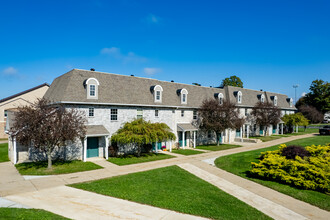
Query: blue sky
{"type": "Point", "coordinates": [270, 45]}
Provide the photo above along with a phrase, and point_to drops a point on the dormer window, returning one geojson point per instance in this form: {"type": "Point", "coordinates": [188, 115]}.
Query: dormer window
{"type": "Point", "coordinates": [92, 88]}
{"type": "Point", "coordinates": [239, 97]}
{"type": "Point", "coordinates": [275, 100]}
{"type": "Point", "coordinates": [184, 94]}
{"type": "Point", "coordinates": [158, 93]}
{"type": "Point", "coordinates": [220, 97]}
{"type": "Point", "coordinates": [262, 98]}
{"type": "Point", "coordinates": [291, 102]}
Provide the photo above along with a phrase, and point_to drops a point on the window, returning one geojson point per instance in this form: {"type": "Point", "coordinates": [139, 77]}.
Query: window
{"type": "Point", "coordinates": [291, 102]}
{"type": "Point", "coordinates": [239, 97]}
{"type": "Point", "coordinates": [275, 100]}
{"type": "Point", "coordinates": [220, 96]}
{"type": "Point", "coordinates": [262, 98]}
{"type": "Point", "coordinates": [91, 112]}
{"type": "Point", "coordinates": [158, 93]}
{"type": "Point", "coordinates": [246, 112]}
{"type": "Point", "coordinates": [113, 114]}
{"type": "Point", "coordinates": [92, 90]}
{"type": "Point", "coordinates": [139, 114]}
{"type": "Point", "coordinates": [182, 113]}
{"type": "Point", "coordinates": [195, 115]}
{"type": "Point", "coordinates": [184, 95]}
{"type": "Point", "coordinates": [156, 113]}
{"type": "Point", "coordinates": [5, 113]}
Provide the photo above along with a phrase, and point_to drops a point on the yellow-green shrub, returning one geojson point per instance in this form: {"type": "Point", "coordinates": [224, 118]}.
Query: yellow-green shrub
{"type": "Point", "coordinates": [311, 172]}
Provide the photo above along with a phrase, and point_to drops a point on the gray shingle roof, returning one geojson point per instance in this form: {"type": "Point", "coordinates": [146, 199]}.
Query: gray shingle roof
{"type": "Point", "coordinates": [130, 90]}
{"type": "Point", "coordinates": [92, 130]}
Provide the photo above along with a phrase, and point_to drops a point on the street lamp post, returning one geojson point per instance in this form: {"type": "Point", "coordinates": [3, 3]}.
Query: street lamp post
{"type": "Point", "coordinates": [295, 93]}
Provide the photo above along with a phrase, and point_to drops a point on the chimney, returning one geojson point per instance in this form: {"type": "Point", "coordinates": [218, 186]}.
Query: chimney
{"type": "Point", "coordinates": [92, 69]}
{"type": "Point", "coordinates": [132, 75]}
{"type": "Point", "coordinates": [172, 81]}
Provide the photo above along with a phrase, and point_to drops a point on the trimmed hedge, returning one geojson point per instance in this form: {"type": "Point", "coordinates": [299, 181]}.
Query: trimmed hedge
{"type": "Point", "coordinates": [310, 172]}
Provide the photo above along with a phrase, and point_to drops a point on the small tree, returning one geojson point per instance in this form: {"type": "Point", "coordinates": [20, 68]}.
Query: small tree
{"type": "Point", "coordinates": [297, 119]}
{"type": "Point", "coordinates": [142, 132]}
{"type": "Point", "coordinates": [217, 118]}
{"type": "Point", "coordinates": [47, 126]}
{"type": "Point", "coordinates": [265, 114]}
{"type": "Point", "coordinates": [232, 81]}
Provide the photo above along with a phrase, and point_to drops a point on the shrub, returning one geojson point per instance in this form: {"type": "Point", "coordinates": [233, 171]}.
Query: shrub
{"type": "Point", "coordinates": [311, 172]}
{"type": "Point", "coordinates": [290, 152]}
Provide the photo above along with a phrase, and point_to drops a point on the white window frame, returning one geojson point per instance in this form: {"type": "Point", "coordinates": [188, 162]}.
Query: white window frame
{"type": "Point", "coordinates": [157, 89]}
{"type": "Point", "coordinates": [92, 82]}
{"type": "Point", "coordinates": [262, 98]}
{"type": "Point", "coordinates": [291, 102]}
{"type": "Point", "coordinates": [239, 97]}
{"type": "Point", "coordinates": [91, 112]}
{"type": "Point", "coordinates": [138, 116]}
{"type": "Point", "coordinates": [92, 88]}
{"type": "Point", "coordinates": [220, 97]}
{"type": "Point", "coordinates": [184, 96]}
{"type": "Point", "coordinates": [5, 113]}
{"type": "Point", "coordinates": [182, 113]}
{"type": "Point", "coordinates": [114, 112]}
{"type": "Point", "coordinates": [275, 100]}
{"type": "Point", "coordinates": [156, 113]}
{"type": "Point", "coordinates": [195, 115]}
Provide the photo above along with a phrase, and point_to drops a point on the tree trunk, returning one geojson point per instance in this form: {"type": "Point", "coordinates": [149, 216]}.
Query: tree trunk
{"type": "Point", "coordinates": [217, 139]}
{"type": "Point", "coordinates": [49, 155]}
{"type": "Point", "coordinates": [139, 150]}
{"type": "Point", "coordinates": [265, 131]}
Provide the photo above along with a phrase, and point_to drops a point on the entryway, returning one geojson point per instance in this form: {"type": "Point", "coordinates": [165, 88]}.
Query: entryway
{"type": "Point", "coordinates": [92, 147]}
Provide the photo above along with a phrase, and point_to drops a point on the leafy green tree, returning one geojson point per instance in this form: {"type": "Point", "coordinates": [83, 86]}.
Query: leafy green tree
{"type": "Point", "coordinates": [232, 81]}
{"type": "Point", "coordinates": [297, 119]}
{"type": "Point", "coordinates": [141, 132]}
{"type": "Point", "coordinates": [217, 118]}
{"type": "Point", "coordinates": [319, 95]}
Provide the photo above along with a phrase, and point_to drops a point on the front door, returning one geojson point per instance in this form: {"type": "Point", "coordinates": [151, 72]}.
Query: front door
{"type": "Point", "coordinates": [92, 147]}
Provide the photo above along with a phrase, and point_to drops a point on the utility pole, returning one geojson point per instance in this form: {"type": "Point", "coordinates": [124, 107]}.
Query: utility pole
{"type": "Point", "coordinates": [295, 93]}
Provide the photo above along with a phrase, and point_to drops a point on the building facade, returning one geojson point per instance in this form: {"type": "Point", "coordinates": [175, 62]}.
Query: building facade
{"type": "Point", "coordinates": [110, 100]}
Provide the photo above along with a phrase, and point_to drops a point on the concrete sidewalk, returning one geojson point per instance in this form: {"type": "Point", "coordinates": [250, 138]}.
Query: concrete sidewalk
{"type": "Point", "coordinates": [78, 204]}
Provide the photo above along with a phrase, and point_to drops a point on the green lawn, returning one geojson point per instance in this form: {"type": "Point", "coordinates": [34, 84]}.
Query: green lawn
{"type": "Point", "coordinates": [59, 167]}
{"type": "Point", "coordinates": [240, 164]}
{"type": "Point", "coordinates": [217, 148]}
{"type": "Point", "coordinates": [16, 213]}
{"type": "Point", "coordinates": [274, 137]}
{"type": "Point", "coordinates": [145, 157]}
{"type": "Point", "coordinates": [186, 151]}
{"type": "Point", "coordinates": [176, 189]}
{"type": "Point", "coordinates": [4, 152]}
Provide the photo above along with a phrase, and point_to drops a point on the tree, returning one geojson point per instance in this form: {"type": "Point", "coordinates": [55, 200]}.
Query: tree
{"type": "Point", "coordinates": [217, 118]}
{"type": "Point", "coordinates": [141, 132]}
{"type": "Point", "coordinates": [296, 119]}
{"type": "Point", "coordinates": [319, 95]}
{"type": "Point", "coordinates": [47, 126]}
{"type": "Point", "coordinates": [311, 113]}
{"type": "Point", "coordinates": [232, 81]}
{"type": "Point", "coordinates": [266, 114]}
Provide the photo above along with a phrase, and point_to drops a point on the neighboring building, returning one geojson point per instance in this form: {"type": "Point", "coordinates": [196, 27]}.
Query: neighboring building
{"type": "Point", "coordinates": [110, 100]}
{"type": "Point", "coordinates": [23, 98]}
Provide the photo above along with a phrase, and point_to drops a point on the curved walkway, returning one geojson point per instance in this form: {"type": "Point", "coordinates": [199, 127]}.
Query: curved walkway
{"type": "Point", "coordinates": [292, 206]}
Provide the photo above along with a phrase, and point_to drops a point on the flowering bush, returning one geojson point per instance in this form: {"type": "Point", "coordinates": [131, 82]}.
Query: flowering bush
{"type": "Point", "coordinates": [312, 172]}
{"type": "Point", "coordinates": [163, 147]}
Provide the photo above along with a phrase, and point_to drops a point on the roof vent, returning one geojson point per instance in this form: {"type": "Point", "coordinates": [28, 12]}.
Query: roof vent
{"type": "Point", "coordinates": [172, 81]}
{"type": "Point", "coordinates": [261, 90]}
{"type": "Point", "coordinates": [132, 75]}
{"type": "Point", "coordinates": [92, 69]}
{"type": "Point", "coordinates": [210, 86]}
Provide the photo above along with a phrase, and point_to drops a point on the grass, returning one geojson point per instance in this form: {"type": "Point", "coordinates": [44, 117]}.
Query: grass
{"type": "Point", "coordinates": [240, 164]}
{"type": "Point", "coordinates": [4, 152]}
{"type": "Point", "coordinates": [59, 167]}
{"type": "Point", "coordinates": [145, 157]}
{"type": "Point", "coordinates": [176, 189]}
{"type": "Point", "coordinates": [186, 152]}
{"type": "Point", "coordinates": [17, 213]}
{"type": "Point", "coordinates": [217, 148]}
{"type": "Point", "coordinates": [301, 131]}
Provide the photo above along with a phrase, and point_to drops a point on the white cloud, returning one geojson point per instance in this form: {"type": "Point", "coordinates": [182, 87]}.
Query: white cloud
{"type": "Point", "coordinates": [153, 19]}
{"type": "Point", "coordinates": [129, 57]}
{"type": "Point", "coordinates": [10, 71]}
{"type": "Point", "coordinates": [151, 71]}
